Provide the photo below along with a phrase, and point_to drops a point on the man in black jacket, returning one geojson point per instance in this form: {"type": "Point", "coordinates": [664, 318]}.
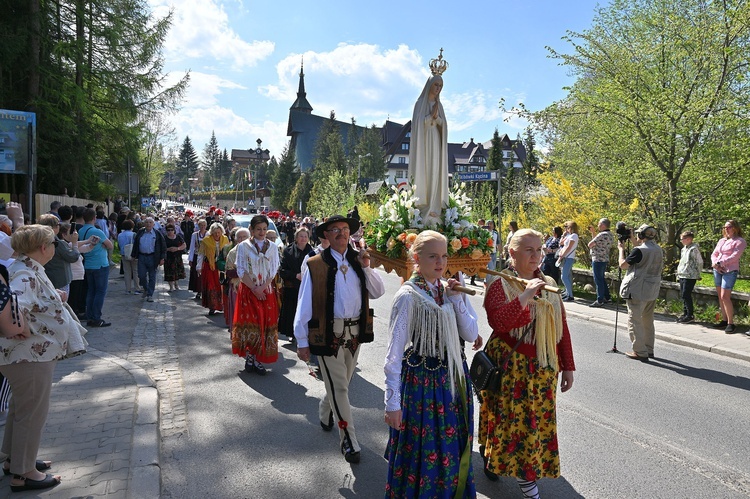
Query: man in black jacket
{"type": "Point", "coordinates": [150, 249]}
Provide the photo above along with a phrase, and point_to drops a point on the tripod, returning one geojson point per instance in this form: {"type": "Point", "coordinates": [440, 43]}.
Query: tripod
{"type": "Point", "coordinates": [617, 305]}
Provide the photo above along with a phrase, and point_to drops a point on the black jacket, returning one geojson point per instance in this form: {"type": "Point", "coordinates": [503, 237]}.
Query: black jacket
{"type": "Point", "coordinates": [160, 246]}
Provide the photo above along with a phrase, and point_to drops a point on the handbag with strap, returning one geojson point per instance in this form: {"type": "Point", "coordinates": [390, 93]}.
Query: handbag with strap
{"type": "Point", "coordinates": [485, 375]}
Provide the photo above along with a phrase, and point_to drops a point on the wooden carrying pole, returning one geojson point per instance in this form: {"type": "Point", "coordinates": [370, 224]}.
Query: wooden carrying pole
{"type": "Point", "coordinates": [547, 287]}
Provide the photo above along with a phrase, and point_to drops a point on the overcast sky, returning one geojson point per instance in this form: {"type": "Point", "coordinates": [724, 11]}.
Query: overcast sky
{"type": "Point", "coordinates": [367, 60]}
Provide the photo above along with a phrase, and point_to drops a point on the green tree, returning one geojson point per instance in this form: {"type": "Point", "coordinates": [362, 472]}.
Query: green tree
{"type": "Point", "coordinates": [659, 110]}
{"type": "Point", "coordinates": [187, 164]}
{"type": "Point", "coordinates": [368, 153]}
{"type": "Point", "coordinates": [210, 161]}
{"type": "Point", "coordinates": [329, 148]}
{"type": "Point", "coordinates": [93, 72]}
{"type": "Point", "coordinates": [284, 181]}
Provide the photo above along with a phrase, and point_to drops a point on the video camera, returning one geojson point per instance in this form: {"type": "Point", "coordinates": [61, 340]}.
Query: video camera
{"type": "Point", "coordinates": [624, 234]}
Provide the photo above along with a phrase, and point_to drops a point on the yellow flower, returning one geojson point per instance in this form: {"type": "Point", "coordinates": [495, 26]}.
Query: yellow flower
{"type": "Point", "coordinates": [476, 254]}
{"type": "Point", "coordinates": [410, 238]}
{"type": "Point", "coordinates": [456, 244]}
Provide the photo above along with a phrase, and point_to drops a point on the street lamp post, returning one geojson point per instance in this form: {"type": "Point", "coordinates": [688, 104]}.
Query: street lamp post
{"type": "Point", "coordinates": [259, 153]}
{"type": "Point", "coordinates": [359, 166]}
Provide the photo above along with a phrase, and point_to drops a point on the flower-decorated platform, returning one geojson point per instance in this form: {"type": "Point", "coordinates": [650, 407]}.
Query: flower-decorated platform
{"type": "Point", "coordinates": [390, 237]}
{"type": "Point", "coordinates": [403, 266]}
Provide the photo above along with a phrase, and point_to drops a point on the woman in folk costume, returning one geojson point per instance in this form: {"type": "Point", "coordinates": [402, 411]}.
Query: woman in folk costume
{"type": "Point", "coordinates": [232, 278]}
{"type": "Point", "coordinates": [194, 284]}
{"type": "Point", "coordinates": [517, 424]}
{"type": "Point", "coordinates": [428, 398]}
{"type": "Point", "coordinates": [209, 265]}
{"type": "Point", "coordinates": [255, 333]}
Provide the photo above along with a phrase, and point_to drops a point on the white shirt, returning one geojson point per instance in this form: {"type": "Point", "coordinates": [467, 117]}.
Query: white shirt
{"type": "Point", "coordinates": [347, 302]}
{"type": "Point", "coordinates": [468, 329]}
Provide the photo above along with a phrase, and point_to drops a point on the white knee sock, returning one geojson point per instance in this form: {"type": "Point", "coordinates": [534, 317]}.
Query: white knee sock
{"type": "Point", "coordinates": [529, 489]}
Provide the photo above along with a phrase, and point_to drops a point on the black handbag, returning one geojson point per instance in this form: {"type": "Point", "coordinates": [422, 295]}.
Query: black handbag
{"type": "Point", "coordinates": [485, 375]}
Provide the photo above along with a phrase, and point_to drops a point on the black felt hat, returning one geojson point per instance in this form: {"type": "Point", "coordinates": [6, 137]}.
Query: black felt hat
{"type": "Point", "coordinates": [353, 225]}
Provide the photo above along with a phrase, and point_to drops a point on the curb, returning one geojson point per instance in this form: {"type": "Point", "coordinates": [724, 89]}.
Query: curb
{"type": "Point", "coordinates": [666, 337]}
{"type": "Point", "coordinates": [144, 480]}
{"type": "Point", "coordinates": [669, 338]}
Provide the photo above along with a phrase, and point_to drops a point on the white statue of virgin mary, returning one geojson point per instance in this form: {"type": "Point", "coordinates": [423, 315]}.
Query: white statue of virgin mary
{"type": "Point", "coordinates": [428, 153]}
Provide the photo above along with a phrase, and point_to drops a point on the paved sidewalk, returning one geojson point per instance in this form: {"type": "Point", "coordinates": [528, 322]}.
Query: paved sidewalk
{"type": "Point", "coordinates": [695, 335]}
{"type": "Point", "coordinates": [102, 432]}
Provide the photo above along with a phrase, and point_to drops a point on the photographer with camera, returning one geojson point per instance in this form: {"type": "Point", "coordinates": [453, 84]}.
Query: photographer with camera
{"type": "Point", "coordinates": [640, 287]}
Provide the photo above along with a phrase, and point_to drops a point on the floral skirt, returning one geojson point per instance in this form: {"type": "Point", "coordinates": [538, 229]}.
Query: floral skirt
{"type": "Point", "coordinates": [229, 298]}
{"type": "Point", "coordinates": [424, 456]}
{"type": "Point", "coordinates": [211, 289]}
{"type": "Point", "coordinates": [255, 326]}
{"type": "Point", "coordinates": [174, 269]}
{"type": "Point", "coordinates": [518, 425]}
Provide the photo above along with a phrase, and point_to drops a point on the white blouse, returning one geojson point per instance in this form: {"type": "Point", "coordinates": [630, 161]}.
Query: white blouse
{"type": "Point", "coordinates": [398, 328]}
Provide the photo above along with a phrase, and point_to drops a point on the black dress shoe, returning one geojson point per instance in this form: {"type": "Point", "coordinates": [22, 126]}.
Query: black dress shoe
{"type": "Point", "coordinates": [350, 454]}
{"type": "Point", "coordinates": [99, 323]}
{"type": "Point", "coordinates": [329, 426]}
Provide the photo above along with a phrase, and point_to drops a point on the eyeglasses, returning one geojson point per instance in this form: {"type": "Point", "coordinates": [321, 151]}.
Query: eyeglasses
{"type": "Point", "coordinates": [337, 231]}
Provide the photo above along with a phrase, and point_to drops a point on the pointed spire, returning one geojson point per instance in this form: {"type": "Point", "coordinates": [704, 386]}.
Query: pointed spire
{"type": "Point", "coordinates": [301, 103]}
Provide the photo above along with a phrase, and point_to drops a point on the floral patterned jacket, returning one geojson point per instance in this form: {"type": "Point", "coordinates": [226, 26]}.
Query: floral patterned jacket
{"type": "Point", "coordinates": [55, 331]}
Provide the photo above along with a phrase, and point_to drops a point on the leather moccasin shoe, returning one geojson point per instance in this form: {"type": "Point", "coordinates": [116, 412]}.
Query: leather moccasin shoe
{"type": "Point", "coordinates": [329, 426]}
{"type": "Point", "coordinates": [350, 454]}
{"type": "Point", "coordinates": [635, 356]}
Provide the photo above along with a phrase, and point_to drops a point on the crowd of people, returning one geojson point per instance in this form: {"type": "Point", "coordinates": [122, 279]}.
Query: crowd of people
{"type": "Point", "coordinates": [312, 282]}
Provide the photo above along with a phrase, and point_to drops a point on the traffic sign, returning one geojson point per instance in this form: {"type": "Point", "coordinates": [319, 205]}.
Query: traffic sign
{"type": "Point", "coordinates": [476, 176]}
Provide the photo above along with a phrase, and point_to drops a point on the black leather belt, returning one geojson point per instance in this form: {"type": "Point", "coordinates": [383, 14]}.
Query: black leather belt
{"type": "Point", "coordinates": [351, 322]}
{"type": "Point", "coordinates": [145, 254]}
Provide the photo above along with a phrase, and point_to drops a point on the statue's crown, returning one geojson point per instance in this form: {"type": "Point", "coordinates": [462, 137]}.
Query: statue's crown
{"type": "Point", "coordinates": [439, 65]}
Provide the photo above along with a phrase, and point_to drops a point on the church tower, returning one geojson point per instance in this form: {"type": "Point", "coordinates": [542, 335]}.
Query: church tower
{"type": "Point", "coordinates": [301, 103]}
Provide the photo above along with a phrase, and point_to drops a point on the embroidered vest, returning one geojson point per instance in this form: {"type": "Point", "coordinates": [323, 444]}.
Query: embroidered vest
{"type": "Point", "coordinates": [323, 270]}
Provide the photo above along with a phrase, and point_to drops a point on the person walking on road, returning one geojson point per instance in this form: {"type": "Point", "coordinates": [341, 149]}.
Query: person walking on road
{"type": "Point", "coordinates": [428, 394]}
{"type": "Point", "coordinates": [518, 423]}
{"type": "Point", "coordinates": [150, 249]}
{"type": "Point", "coordinates": [255, 327]}
{"type": "Point", "coordinates": [333, 319]}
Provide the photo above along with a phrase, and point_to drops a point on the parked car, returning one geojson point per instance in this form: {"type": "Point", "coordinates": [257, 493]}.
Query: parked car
{"type": "Point", "coordinates": [244, 221]}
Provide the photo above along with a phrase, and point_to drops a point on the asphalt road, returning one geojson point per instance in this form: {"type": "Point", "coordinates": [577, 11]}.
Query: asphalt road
{"type": "Point", "coordinates": [675, 427]}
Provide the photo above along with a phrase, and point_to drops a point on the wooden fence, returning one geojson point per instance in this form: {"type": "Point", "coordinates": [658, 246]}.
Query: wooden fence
{"type": "Point", "coordinates": [43, 201]}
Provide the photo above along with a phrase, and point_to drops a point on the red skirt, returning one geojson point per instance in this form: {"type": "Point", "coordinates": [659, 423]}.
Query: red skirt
{"type": "Point", "coordinates": [210, 289]}
{"type": "Point", "coordinates": [255, 328]}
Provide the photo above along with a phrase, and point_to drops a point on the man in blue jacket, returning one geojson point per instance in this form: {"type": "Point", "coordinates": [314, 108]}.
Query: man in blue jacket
{"type": "Point", "coordinates": [150, 249]}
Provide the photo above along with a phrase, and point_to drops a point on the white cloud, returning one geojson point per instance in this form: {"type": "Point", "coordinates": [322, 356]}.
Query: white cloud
{"type": "Point", "coordinates": [360, 80]}
{"type": "Point", "coordinates": [203, 89]}
{"type": "Point", "coordinates": [200, 28]}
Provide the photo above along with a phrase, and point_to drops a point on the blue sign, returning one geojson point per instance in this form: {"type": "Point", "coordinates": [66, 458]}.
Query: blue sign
{"type": "Point", "coordinates": [476, 176]}
{"type": "Point", "coordinates": [17, 141]}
